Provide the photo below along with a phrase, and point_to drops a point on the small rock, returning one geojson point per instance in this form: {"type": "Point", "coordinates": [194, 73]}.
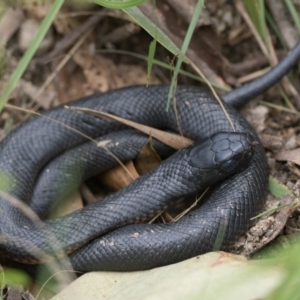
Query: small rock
{"type": "Point", "coordinates": [271, 163]}
{"type": "Point", "coordinates": [291, 143]}
{"type": "Point", "coordinates": [290, 185]}
{"type": "Point", "coordinates": [227, 17]}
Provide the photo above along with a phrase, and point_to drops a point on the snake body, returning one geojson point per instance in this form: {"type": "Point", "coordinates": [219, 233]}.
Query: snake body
{"type": "Point", "coordinates": [27, 150]}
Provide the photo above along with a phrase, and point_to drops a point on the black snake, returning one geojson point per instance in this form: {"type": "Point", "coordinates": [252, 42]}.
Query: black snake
{"type": "Point", "coordinates": [90, 235]}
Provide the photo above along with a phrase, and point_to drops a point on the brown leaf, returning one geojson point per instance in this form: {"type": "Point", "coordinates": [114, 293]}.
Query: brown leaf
{"type": "Point", "coordinates": [118, 177]}
{"type": "Point", "coordinates": [270, 141]}
{"type": "Point", "coordinates": [9, 24]}
{"type": "Point", "coordinates": [69, 204]}
{"type": "Point", "coordinates": [102, 74]}
{"type": "Point", "coordinates": [147, 159]}
{"type": "Point", "coordinates": [173, 140]}
{"type": "Point", "coordinates": [292, 155]}
{"type": "Point", "coordinates": [70, 83]}
{"type": "Point", "coordinates": [65, 25]}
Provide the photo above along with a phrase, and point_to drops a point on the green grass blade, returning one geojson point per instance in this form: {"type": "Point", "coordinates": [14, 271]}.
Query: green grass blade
{"type": "Point", "coordinates": [136, 14]}
{"type": "Point", "coordinates": [253, 11]}
{"type": "Point", "coordinates": [151, 54]}
{"type": "Point", "coordinates": [256, 11]}
{"type": "Point", "coordinates": [119, 4]}
{"type": "Point", "coordinates": [262, 21]}
{"type": "Point", "coordinates": [184, 47]}
{"type": "Point", "coordinates": [294, 14]}
{"type": "Point", "coordinates": [273, 25]}
{"type": "Point", "coordinates": [26, 58]}
{"type": "Point", "coordinates": [164, 65]}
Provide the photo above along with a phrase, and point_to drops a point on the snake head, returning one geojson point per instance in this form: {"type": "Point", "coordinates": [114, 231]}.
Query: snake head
{"type": "Point", "coordinates": [223, 154]}
{"type": "Point", "coordinates": [233, 151]}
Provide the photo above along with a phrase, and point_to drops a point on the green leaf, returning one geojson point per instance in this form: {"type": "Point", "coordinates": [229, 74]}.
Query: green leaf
{"type": "Point", "coordinates": [14, 277]}
{"type": "Point", "coordinates": [253, 9]}
{"type": "Point", "coordinates": [278, 189]}
{"type": "Point", "coordinates": [151, 54]}
{"type": "Point", "coordinates": [136, 14]}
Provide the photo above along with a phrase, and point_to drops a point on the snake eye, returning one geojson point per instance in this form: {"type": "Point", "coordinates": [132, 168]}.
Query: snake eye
{"type": "Point", "coordinates": [229, 165]}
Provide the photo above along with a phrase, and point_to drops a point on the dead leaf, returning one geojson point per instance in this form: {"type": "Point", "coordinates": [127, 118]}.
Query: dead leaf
{"type": "Point", "coordinates": [68, 205]}
{"type": "Point", "coordinates": [102, 74]}
{"type": "Point", "coordinates": [173, 140]}
{"type": "Point", "coordinates": [291, 155]}
{"type": "Point", "coordinates": [65, 25]}
{"type": "Point", "coordinates": [270, 141]}
{"type": "Point", "coordinates": [69, 83]}
{"type": "Point", "coordinates": [117, 178]}
{"type": "Point", "coordinates": [147, 159]}
{"type": "Point", "coordinates": [9, 24]}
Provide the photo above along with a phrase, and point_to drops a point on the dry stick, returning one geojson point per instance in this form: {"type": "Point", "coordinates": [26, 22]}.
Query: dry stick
{"type": "Point", "coordinates": [51, 119]}
{"type": "Point", "coordinates": [156, 217]}
{"type": "Point", "coordinates": [173, 140]}
{"type": "Point", "coordinates": [214, 93]}
{"type": "Point", "coordinates": [120, 34]}
{"type": "Point", "coordinates": [241, 8]}
{"type": "Point", "coordinates": [192, 206]}
{"type": "Point", "coordinates": [251, 76]}
{"type": "Point", "coordinates": [177, 116]}
{"type": "Point", "coordinates": [70, 39]}
{"type": "Point", "coordinates": [269, 54]}
{"type": "Point", "coordinates": [62, 63]}
{"type": "Point", "coordinates": [28, 211]}
{"type": "Point", "coordinates": [66, 59]}
{"type": "Point", "coordinates": [252, 64]}
{"type": "Point", "coordinates": [101, 144]}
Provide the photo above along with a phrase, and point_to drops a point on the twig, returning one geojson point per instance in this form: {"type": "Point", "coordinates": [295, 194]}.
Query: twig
{"type": "Point", "coordinates": [62, 63]}
{"type": "Point", "coordinates": [70, 39]}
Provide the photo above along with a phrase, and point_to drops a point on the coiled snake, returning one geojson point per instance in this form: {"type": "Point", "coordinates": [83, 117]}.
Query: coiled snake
{"type": "Point", "coordinates": [90, 235]}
